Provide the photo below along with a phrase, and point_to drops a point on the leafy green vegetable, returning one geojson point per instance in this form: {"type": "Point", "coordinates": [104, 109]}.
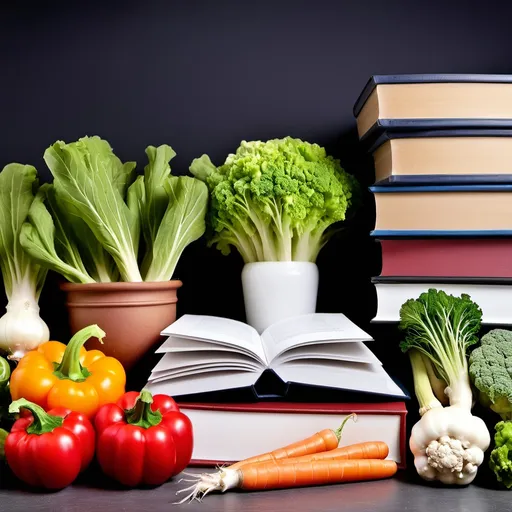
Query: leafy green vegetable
{"type": "Point", "coordinates": [442, 327]}
{"type": "Point", "coordinates": [500, 460]}
{"type": "Point", "coordinates": [93, 179]}
{"type": "Point", "coordinates": [18, 184]}
{"type": "Point", "coordinates": [490, 369]}
{"type": "Point", "coordinates": [46, 239]}
{"type": "Point", "coordinates": [275, 200]}
{"type": "Point", "coordinates": [21, 327]}
{"type": "Point", "coordinates": [99, 220]}
{"type": "Point", "coordinates": [182, 223]}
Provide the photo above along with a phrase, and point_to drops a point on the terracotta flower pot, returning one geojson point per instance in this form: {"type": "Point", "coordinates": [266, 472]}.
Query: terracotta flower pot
{"type": "Point", "coordinates": [131, 314]}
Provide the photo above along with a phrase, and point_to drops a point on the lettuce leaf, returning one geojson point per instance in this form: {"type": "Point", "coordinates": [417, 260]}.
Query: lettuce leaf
{"type": "Point", "coordinates": [92, 180]}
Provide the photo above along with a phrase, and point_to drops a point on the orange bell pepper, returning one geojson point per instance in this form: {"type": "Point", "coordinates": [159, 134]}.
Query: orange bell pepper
{"type": "Point", "coordinates": [56, 375]}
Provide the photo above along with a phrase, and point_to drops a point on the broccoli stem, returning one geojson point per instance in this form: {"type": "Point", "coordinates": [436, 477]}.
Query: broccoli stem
{"type": "Point", "coordinates": [438, 385]}
{"type": "Point", "coordinates": [422, 387]}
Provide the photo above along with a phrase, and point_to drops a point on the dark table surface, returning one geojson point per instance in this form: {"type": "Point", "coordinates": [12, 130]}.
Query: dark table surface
{"type": "Point", "coordinates": [404, 492]}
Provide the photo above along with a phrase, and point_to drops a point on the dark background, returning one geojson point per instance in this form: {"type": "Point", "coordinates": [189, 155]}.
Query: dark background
{"type": "Point", "coordinates": [203, 75]}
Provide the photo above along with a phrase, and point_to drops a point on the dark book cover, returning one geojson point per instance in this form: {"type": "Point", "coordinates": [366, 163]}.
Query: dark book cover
{"type": "Point", "coordinates": [424, 79]}
{"type": "Point", "coordinates": [415, 126]}
{"type": "Point", "coordinates": [270, 387]}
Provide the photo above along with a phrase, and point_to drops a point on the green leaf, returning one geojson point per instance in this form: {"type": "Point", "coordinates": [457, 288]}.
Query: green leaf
{"type": "Point", "coordinates": [18, 184]}
{"type": "Point", "coordinates": [136, 203]}
{"type": "Point", "coordinates": [38, 238]}
{"type": "Point", "coordinates": [89, 175]}
{"type": "Point", "coordinates": [156, 198]}
{"type": "Point", "coordinates": [183, 223]}
{"type": "Point", "coordinates": [98, 262]}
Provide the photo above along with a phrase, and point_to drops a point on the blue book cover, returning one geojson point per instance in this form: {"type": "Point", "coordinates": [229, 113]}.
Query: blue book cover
{"type": "Point", "coordinates": [424, 79]}
{"type": "Point", "coordinates": [441, 188]}
{"type": "Point", "coordinates": [415, 126]}
{"type": "Point", "coordinates": [435, 133]}
{"type": "Point", "coordinates": [389, 234]}
{"type": "Point", "coordinates": [445, 179]}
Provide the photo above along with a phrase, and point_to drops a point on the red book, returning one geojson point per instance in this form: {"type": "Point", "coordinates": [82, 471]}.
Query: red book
{"type": "Point", "coordinates": [227, 433]}
{"type": "Point", "coordinates": [442, 257]}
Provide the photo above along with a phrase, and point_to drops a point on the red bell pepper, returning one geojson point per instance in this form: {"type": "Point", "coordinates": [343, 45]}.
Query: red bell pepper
{"type": "Point", "coordinates": [143, 439]}
{"type": "Point", "coordinates": [49, 449]}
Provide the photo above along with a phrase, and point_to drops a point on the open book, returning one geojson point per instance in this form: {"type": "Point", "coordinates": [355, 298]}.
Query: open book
{"type": "Point", "coordinates": [205, 353]}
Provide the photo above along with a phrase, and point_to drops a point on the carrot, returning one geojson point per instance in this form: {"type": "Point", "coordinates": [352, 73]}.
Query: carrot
{"type": "Point", "coordinates": [285, 474]}
{"type": "Point", "coordinates": [322, 441]}
{"type": "Point", "coordinates": [366, 450]}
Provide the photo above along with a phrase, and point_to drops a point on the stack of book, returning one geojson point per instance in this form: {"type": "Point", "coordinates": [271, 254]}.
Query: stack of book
{"type": "Point", "coordinates": [442, 147]}
{"type": "Point", "coordinates": [247, 393]}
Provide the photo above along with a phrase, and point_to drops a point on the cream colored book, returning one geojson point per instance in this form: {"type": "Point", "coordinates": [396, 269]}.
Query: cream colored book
{"type": "Point", "coordinates": [427, 157]}
{"type": "Point", "coordinates": [450, 210]}
{"type": "Point", "coordinates": [441, 96]}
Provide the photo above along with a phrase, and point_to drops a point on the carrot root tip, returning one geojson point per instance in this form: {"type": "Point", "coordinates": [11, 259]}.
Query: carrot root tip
{"type": "Point", "coordinates": [204, 484]}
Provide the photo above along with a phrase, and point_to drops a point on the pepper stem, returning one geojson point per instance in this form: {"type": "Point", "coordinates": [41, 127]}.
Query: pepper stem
{"type": "Point", "coordinates": [43, 422]}
{"type": "Point", "coordinates": [340, 428]}
{"type": "Point", "coordinates": [70, 367]}
{"type": "Point", "coordinates": [141, 414]}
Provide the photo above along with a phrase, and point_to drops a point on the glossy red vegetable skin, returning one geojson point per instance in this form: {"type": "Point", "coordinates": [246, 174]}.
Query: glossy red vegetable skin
{"type": "Point", "coordinates": [143, 440]}
{"type": "Point", "coordinates": [54, 458]}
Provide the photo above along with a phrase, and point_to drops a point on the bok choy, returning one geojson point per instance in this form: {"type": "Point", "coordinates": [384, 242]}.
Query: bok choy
{"type": "Point", "coordinates": [100, 222]}
{"type": "Point", "coordinates": [21, 327]}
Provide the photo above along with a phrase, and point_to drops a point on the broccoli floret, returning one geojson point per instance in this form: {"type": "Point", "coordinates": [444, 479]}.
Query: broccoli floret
{"type": "Point", "coordinates": [500, 460]}
{"type": "Point", "coordinates": [490, 369]}
{"type": "Point", "coordinates": [276, 200]}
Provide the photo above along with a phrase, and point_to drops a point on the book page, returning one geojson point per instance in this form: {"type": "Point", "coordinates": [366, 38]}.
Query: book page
{"type": "Point", "coordinates": [177, 344]}
{"type": "Point", "coordinates": [169, 375]}
{"type": "Point", "coordinates": [314, 328]}
{"type": "Point", "coordinates": [205, 382]}
{"type": "Point", "coordinates": [370, 378]}
{"type": "Point", "coordinates": [216, 330]}
{"type": "Point", "coordinates": [182, 360]}
{"type": "Point", "coordinates": [348, 351]}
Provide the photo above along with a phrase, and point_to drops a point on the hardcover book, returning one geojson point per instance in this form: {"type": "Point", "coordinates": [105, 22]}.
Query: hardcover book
{"type": "Point", "coordinates": [435, 100]}
{"type": "Point", "coordinates": [447, 257]}
{"type": "Point", "coordinates": [444, 209]}
{"type": "Point", "coordinates": [227, 433]}
{"type": "Point", "coordinates": [443, 157]}
{"type": "Point", "coordinates": [205, 354]}
{"type": "Point", "coordinates": [494, 296]}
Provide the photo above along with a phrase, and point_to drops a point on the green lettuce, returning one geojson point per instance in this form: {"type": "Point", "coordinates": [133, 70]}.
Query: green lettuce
{"type": "Point", "coordinates": [99, 221]}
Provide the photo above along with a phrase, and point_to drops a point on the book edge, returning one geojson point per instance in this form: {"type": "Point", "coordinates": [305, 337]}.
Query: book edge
{"type": "Point", "coordinates": [417, 78]}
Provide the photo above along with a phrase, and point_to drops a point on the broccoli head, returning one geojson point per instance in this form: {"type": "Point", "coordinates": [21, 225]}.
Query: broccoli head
{"type": "Point", "coordinates": [500, 460]}
{"type": "Point", "coordinates": [276, 200]}
{"type": "Point", "coordinates": [490, 369]}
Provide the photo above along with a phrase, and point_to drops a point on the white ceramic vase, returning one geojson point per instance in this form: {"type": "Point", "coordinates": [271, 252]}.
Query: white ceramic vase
{"type": "Point", "coordinates": [274, 290]}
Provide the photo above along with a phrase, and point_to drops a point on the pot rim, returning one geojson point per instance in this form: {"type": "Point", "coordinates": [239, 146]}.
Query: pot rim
{"type": "Point", "coordinates": [121, 286]}
{"type": "Point", "coordinates": [289, 263]}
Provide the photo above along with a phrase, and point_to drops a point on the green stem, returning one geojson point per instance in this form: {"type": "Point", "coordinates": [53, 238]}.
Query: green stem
{"type": "Point", "coordinates": [141, 414]}
{"type": "Point", "coordinates": [422, 387]}
{"type": "Point", "coordinates": [340, 428]}
{"type": "Point", "coordinates": [70, 367]}
{"type": "Point", "coordinates": [43, 422]}
{"type": "Point", "coordinates": [438, 385]}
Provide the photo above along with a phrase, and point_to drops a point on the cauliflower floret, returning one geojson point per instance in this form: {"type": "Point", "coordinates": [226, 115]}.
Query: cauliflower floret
{"type": "Point", "coordinates": [448, 444]}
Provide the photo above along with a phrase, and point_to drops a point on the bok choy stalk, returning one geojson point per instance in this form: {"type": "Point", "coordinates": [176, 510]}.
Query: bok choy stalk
{"type": "Point", "coordinates": [21, 327]}
{"type": "Point", "coordinates": [100, 222]}
{"type": "Point", "coordinates": [448, 443]}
